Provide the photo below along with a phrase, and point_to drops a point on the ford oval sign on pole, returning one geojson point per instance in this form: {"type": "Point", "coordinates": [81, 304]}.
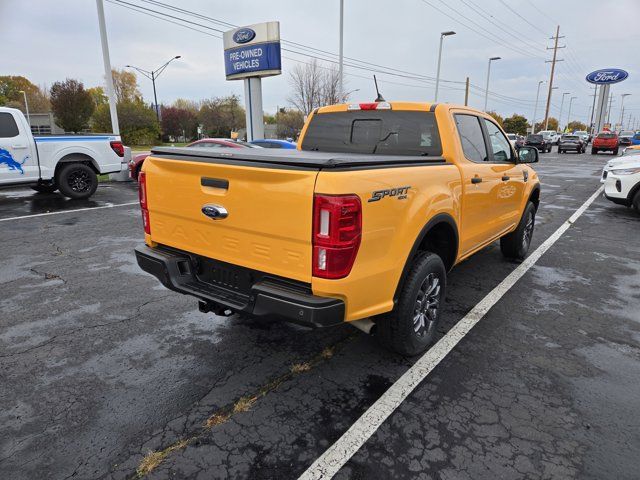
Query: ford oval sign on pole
{"type": "Point", "coordinates": [252, 52]}
{"type": "Point", "coordinates": [604, 78]}
{"type": "Point", "coordinates": [607, 76]}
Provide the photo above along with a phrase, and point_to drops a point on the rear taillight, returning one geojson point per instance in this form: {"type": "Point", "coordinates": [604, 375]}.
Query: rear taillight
{"type": "Point", "coordinates": [117, 147]}
{"type": "Point", "coordinates": [142, 195]}
{"type": "Point", "coordinates": [337, 229]}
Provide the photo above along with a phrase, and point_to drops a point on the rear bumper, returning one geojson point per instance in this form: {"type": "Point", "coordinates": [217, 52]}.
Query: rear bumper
{"type": "Point", "coordinates": [267, 296]}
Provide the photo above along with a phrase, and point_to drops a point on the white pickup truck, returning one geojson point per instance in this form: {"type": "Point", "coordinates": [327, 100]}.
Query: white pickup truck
{"type": "Point", "coordinates": [69, 163]}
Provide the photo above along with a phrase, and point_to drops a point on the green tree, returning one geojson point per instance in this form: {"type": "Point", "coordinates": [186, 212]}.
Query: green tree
{"type": "Point", "coordinates": [269, 119]}
{"type": "Point", "coordinates": [221, 115]}
{"type": "Point", "coordinates": [98, 95]}
{"type": "Point", "coordinates": [497, 117]}
{"type": "Point", "coordinates": [289, 123]}
{"type": "Point", "coordinates": [10, 96]}
{"type": "Point", "coordinates": [71, 104]}
{"type": "Point", "coordinates": [576, 125]}
{"type": "Point", "coordinates": [138, 123]}
{"type": "Point", "coordinates": [516, 124]}
{"type": "Point", "coordinates": [552, 125]}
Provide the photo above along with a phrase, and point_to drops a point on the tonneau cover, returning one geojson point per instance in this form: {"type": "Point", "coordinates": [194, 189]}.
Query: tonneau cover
{"type": "Point", "coordinates": [292, 158]}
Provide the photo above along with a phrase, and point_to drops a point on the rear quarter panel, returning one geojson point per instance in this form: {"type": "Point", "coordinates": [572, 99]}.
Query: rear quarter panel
{"type": "Point", "coordinates": [389, 229]}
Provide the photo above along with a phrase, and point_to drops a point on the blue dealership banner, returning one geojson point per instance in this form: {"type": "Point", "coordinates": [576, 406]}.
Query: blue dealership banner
{"type": "Point", "coordinates": [252, 59]}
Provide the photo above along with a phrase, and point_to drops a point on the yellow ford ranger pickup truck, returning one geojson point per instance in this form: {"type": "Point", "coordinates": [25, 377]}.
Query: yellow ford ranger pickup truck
{"type": "Point", "coordinates": [364, 220]}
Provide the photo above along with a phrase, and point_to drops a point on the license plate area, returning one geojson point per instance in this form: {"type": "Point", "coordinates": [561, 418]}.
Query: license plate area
{"type": "Point", "coordinates": [225, 275]}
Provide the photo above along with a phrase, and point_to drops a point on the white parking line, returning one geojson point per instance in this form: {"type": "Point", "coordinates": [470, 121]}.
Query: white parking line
{"type": "Point", "coordinates": [328, 464]}
{"type": "Point", "coordinates": [109, 205]}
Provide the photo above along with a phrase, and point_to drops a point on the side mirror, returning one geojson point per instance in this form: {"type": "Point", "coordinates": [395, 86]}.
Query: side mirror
{"type": "Point", "coordinates": [527, 155]}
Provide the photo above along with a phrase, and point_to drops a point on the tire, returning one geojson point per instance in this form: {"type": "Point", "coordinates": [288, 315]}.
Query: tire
{"type": "Point", "coordinates": [45, 188]}
{"type": "Point", "coordinates": [635, 203]}
{"type": "Point", "coordinates": [516, 244]}
{"type": "Point", "coordinates": [77, 181]}
{"type": "Point", "coordinates": [411, 326]}
{"type": "Point", "coordinates": [615, 152]}
{"type": "Point", "coordinates": [594, 151]}
{"type": "Point", "coordinates": [559, 151]}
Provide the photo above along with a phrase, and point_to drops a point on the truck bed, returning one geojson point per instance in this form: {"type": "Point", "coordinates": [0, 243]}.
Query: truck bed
{"type": "Point", "coordinates": [282, 158]}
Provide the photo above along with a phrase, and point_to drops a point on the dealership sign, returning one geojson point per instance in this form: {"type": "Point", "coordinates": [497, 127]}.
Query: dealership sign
{"type": "Point", "coordinates": [607, 76]}
{"type": "Point", "coordinates": [252, 51]}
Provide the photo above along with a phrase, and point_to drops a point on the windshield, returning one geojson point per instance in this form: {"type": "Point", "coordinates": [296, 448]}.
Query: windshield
{"type": "Point", "coordinates": [626, 134]}
{"type": "Point", "coordinates": [606, 135]}
{"type": "Point", "coordinates": [382, 132]}
{"type": "Point", "coordinates": [511, 136]}
{"type": "Point", "coordinates": [536, 138]}
{"type": "Point", "coordinates": [570, 137]}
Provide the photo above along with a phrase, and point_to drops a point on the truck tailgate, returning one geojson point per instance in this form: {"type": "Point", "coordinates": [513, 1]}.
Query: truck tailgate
{"type": "Point", "coordinates": [270, 209]}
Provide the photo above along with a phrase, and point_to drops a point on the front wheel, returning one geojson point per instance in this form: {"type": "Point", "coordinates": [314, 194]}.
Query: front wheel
{"type": "Point", "coordinates": [635, 203]}
{"type": "Point", "coordinates": [516, 244]}
{"type": "Point", "coordinates": [77, 181]}
{"type": "Point", "coordinates": [615, 152]}
{"type": "Point", "coordinates": [411, 326]}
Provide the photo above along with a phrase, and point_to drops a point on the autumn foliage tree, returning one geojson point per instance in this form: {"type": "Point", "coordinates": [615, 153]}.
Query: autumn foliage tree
{"type": "Point", "coordinates": [71, 104]}
{"type": "Point", "coordinates": [11, 87]}
{"type": "Point", "coordinates": [221, 116]}
{"type": "Point", "coordinates": [178, 122]}
{"type": "Point", "coordinates": [516, 124]}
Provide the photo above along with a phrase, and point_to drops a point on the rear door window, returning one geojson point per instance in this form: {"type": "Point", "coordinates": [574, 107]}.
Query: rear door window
{"type": "Point", "coordinates": [8, 126]}
{"type": "Point", "coordinates": [471, 137]}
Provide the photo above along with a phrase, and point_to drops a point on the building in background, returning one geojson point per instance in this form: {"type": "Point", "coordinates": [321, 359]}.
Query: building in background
{"type": "Point", "coordinates": [44, 124]}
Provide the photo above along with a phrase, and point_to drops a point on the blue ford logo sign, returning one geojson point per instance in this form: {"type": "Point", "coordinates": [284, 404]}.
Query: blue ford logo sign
{"type": "Point", "coordinates": [244, 35]}
{"type": "Point", "coordinates": [606, 76]}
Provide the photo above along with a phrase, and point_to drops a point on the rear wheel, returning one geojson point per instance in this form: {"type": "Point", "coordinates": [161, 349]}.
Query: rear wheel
{"type": "Point", "coordinates": [45, 187]}
{"type": "Point", "coordinates": [594, 151]}
{"type": "Point", "coordinates": [411, 326]}
{"type": "Point", "coordinates": [77, 181]}
{"type": "Point", "coordinates": [615, 151]}
{"type": "Point", "coordinates": [516, 244]}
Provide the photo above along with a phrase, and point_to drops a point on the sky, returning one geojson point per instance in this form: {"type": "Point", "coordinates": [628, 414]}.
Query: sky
{"type": "Point", "coordinates": [48, 40]}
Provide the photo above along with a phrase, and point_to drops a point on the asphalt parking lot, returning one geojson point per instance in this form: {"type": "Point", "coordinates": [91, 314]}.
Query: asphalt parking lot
{"type": "Point", "coordinates": [100, 365]}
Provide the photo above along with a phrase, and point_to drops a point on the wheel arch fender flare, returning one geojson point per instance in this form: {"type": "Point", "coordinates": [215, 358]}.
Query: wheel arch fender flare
{"type": "Point", "coordinates": [436, 220]}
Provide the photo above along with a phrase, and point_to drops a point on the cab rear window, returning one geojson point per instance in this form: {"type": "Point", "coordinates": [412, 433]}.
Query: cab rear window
{"type": "Point", "coordinates": [380, 132]}
{"type": "Point", "coordinates": [606, 135]}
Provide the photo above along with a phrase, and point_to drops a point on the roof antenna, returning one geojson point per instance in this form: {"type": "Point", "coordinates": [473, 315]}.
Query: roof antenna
{"type": "Point", "coordinates": [379, 98]}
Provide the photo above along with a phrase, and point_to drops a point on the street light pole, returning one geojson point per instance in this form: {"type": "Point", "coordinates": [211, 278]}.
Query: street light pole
{"type": "Point", "coordinates": [569, 115]}
{"type": "Point", "coordinates": [442, 35]}
{"type": "Point", "coordinates": [535, 108]}
{"type": "Point", "coordinates": [486, 90]}
{"type": "Point", "coordinates": [621, 107]}
{"type": "Point", "coordinates": [26, 107]}
{"type": "Point", "coordinates": [560, 116]}
{"type": "Point", "coordinates": [152, 75]}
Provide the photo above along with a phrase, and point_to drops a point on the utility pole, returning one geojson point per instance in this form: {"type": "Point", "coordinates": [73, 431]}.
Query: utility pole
{"type": "Point", "coordinates": [593, 108]}
{"type": "Point", "coordinates": [341, 48]}
{"type": "Point", "coordinates": [107, 69]}
{"type": "Point", "coordinates": [466, 93]}
{"type": "Point", "coordinates": [560, 115]}
{"type": "Point", "coordinates": [622, 107]}
{"type": "Point", "coordinates": [553, 68]}
{"type": "Point", "coordinates": [609, 111]}
{"type": "Point", "coordinates": [535, 108]}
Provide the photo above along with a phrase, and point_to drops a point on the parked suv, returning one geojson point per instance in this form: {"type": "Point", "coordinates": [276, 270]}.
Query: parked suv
{"type": "Point", "coordinates": [538, 141]}
{"type": "Point", "coordinates": [605, 141]}
{"type": "Point", "coordinates": [571, 143]}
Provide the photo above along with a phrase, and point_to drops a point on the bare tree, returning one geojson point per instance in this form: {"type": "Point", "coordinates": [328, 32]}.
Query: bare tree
{"type": "Point", "coordinates": [313, 85]}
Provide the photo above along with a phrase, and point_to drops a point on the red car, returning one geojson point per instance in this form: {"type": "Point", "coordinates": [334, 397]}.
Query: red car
{"type": "Point", "coordinates": [605, 141]}
{"type": "Point", "coordinates": [136, 162]}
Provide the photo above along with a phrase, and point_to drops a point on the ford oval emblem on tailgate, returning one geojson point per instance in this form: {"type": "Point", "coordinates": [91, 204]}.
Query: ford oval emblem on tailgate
{"type": "Point", "coordinates": [216, 212]}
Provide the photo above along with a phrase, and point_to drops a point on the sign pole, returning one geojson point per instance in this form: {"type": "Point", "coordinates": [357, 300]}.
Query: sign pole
{"type": "Point", "coordinates": [254, 113]}
{"type": "Point", "coordinates": [601, 111]}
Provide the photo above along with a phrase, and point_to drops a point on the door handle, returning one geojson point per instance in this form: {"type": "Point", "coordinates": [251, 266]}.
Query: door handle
{"type": "Point", "coordinates": [476, 180]}
{"type": "Point", "coordinates": [18, 147]}
{"type": "Point", "coordinates": [505, 178]}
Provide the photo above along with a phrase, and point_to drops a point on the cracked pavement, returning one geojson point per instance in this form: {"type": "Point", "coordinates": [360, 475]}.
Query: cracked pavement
{"type": "Point", "coordinates": [99, 364]}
